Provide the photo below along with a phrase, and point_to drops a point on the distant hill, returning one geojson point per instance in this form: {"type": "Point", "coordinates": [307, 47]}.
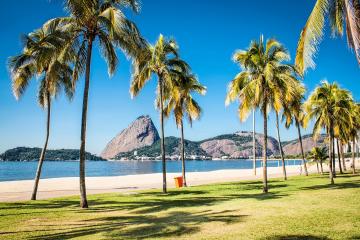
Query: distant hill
{"type": "Point", "coordinates": [140, 140]}
{"type": "Point", "coordinates": [293, 147]}
{"type": "Point", "coordinates": [172, 147]}
{"type": "Point", "coordinates": [237, 145]}
{"type": "Point", "coordinates": [140, 133]}
{"type": "Point", "coordinates": [33, 154]}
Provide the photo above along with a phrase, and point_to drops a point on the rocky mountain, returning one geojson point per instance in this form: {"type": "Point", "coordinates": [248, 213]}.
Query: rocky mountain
{"type": "Point", "coordinates": [238, 145]}
{"type": "Point", "coordinates": [141, 141]}
{"type": "Point", "coordinates": [293, 147]}
{"type": "Point", "coordinates": [33, 154]}
{"type": "Point", "coordinates": [172, 148]}
{"type": "Point", "coordinates": [140, 133]}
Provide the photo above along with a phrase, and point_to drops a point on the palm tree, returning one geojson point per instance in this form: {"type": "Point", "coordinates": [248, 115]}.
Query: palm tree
{"type": "Point", "coordinates": [264, 82]}
{"type": "Point", "coordinates": [40, 57]}
{"type": "Point", "coordinates": [318, 155]}
{"type": "Point", "coordinates": [341, 13]}
{"type": "Point", "coordinates": [159, 59]}
{"type": "Point", "coordinates": [325, 104]}
{"type": "Point", "coordinates": [182, 104]}
{"type": "Point", "coordinates": [88, 22]}
{"type": "Point", "coordinates": [293, 112]}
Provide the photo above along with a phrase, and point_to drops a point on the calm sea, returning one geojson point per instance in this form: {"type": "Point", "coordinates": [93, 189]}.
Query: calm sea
{"type": "Point", "coordinates": [10, 171]}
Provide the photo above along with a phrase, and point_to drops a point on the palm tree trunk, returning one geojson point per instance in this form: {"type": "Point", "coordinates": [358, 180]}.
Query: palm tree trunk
{"type": "Point", "coordinates": [330, 156]}
{"type": "Point", "coordinates": [317, 167]}
{"type": "Point", "coordinates": [353, 156]}
{"type": "Point", "coordinates": [321, 167]}
{"type": "Point", "coordinates": [162, 134]}
{"type": "Point", "coordinates": [338, 153]}
{"type": "Point", "coordinates": [83, 198]}
{"type": "Point", "coordinates": [183, 153]}
{"type": "Point", "coordinates": [265, 182]}
{"type": "Point", "coordinates": [254, 144]}
{"type": "Point", "coordinates": [302, 149]}
{"type": "Point", "coordinates": [43, 151]}
{"type": "Point", "coordinates": [333, 157]}
{"type": "Point", "coordinates": [342, 156]}
{"type": "Point", "coordinates": [280, 146]}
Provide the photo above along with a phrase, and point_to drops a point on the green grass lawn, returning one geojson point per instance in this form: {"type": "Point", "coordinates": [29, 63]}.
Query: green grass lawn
{"type": "Point", "coordinates": [300, 208]}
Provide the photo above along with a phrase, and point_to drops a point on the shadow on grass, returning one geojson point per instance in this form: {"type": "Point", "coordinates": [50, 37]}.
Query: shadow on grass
{"type": "Point", "coordinates": [346, 185]}
{"type": "Point", "coordinates": [146, 226]}
{"type": "Point", "coordinates": [296, 237]}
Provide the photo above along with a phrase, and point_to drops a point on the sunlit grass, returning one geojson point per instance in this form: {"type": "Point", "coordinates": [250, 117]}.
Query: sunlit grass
{"type": "Point", "coordinates": [300, 208]}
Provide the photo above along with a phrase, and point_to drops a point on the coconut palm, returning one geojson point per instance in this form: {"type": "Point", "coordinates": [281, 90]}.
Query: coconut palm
{"type": "Point", "coordinates": [182, 104]}
{"type": "Point", "coordinates": [104, 23]}
{"type": "Point", "coordinates": [40, 57]}
{"type": "Point", "coordinates": [341, 13]}
{"type": "Point", "coordinates": [293, 112]}
{"type": "Point", "coordinates": [159, 59]}
{"type": "Point", "coordinates": [325, 104]}
{"type": "Point", "coordinates": [318, 155]}
{"type": "Point", "coordinates": [262, 83]}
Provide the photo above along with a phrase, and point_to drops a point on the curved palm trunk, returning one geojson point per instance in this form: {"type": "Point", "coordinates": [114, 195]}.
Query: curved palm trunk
{"type": "Point", "coordinates": [183, 153]}
{"type": "Point", "coordinates": [342, 155]}
{"type": "Point", "coordinates": [353, 156]}
{"type": "Point", "coordinates": [330, 157]}
{"type": "Point", "coordinates": [302, 149]}
{"type": "Point", "coordinates": [254, 143]}
{"type": "Point", "coordinates": [162, 144]}
{"type": "Point", "coordinates": [43, 151]}
{"type": "Point", "coordinates": [265, 182]}
{"type": "Point", "coordinates": [83, 198]}
{"type": "Point", "coordinates": [280, 146]}
{"type": "Point", "coordinates": [338, 155]}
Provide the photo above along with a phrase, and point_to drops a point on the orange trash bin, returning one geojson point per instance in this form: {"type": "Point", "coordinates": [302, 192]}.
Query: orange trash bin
{"type": "Point", "coordinates": [178, 182]}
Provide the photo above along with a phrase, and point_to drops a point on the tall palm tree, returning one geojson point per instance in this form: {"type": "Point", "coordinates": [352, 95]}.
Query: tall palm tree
{"type": "Point", "coordinates": [264, 82]}
{"type": "Point", "coordinates": [325, 104]}
{"type": "Point", "coordinates": [293, 112]}
{"type": "Point", "coordinates": [159, 59]}
{"type": "Point", "coordinates": [182, 104]}
{"type": "Point", "coordinates": [340, 13]}
{"type": "Point", "coordinates": [318, 155]}
{"type": "Point", "coordinates": [40, 57]}
{"type": "Point", "coordinates": [102, 22]}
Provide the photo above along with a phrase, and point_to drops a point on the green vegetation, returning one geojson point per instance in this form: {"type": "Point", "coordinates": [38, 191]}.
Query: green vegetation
{"type": "Point", "coordinates": [40, 57]}
{"type": "Point", "coordinates": [300, 208]}
{"type": "Point", "coordinates": [32, 154]}
{"type": "Point", "coordinates": [341, 15]}
{"type": "Point", "coordinates": [180, 102]}
{"type": "Point", "coordinates": [172, 147]}
{"type": "Point", "coordinates": [265, 82]}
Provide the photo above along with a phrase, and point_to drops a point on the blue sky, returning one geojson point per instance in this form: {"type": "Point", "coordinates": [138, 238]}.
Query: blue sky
{"type": "Point", "coordinates": [208, 33]}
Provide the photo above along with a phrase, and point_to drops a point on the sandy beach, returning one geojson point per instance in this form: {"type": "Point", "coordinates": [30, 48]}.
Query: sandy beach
{"type": "Point", "coordinates": [11, 191]}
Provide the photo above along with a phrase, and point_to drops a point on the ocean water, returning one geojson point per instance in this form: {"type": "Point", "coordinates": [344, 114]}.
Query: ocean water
{"type": "Point", "coordinates": [10, 171]}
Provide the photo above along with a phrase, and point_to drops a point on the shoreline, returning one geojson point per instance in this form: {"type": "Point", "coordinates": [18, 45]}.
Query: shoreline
{"type": "Point", "coordinates": [20, 190]}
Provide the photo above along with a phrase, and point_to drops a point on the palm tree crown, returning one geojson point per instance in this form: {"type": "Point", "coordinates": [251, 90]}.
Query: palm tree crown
{"type": "Point", "coordinates": [265, 82]}
{"type": "Point", "coordinates": [341, 13]}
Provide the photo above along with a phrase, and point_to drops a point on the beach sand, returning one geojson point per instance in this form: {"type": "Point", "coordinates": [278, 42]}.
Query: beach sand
{"type": "Point", "coordinates": [69, 186]}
